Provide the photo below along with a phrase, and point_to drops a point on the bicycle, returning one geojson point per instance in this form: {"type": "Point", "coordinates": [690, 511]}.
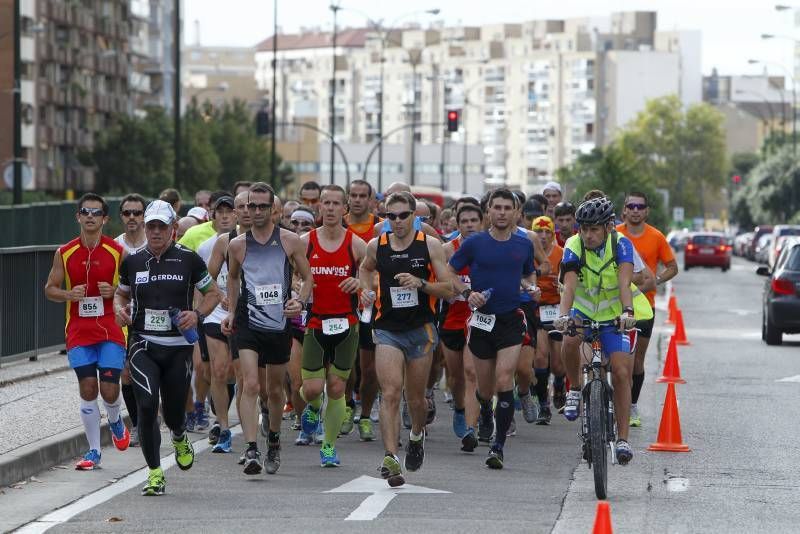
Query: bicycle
{"type": "Point", "coordinates": [598, 424]}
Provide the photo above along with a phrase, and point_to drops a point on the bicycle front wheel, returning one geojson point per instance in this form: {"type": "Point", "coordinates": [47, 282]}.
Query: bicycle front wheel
{"type": "Point", "coordinates": [597, 437]}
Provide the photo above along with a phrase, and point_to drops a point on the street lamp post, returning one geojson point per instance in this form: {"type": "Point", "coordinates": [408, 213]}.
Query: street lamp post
{"type": "Point", "coordinates": [17, 163]}
{"type": "Point", "coordinates": [335, 8]}
{"type": "Point", "coordinates": [176, 104]}
{"type": "Point", "coordinates": [766, 36]}
{"type": "Point", "coordinates": [273, 164]}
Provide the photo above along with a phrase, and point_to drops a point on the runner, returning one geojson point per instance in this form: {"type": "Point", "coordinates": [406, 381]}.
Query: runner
{"type": "Point", "coordinates": [89, 267]}
{"type": "Point", "coordinates": [499, 261]}
{"type": "Point", "coordinates": [151, 284]}
{"type": "Point", "coordinates": [596, 270]}
{"type": "Point", "coordinates": [548, 351]}
{"type": "Point", "coordinates": [653, 247]}
{"type": "Point", "coordinates": [331, 338]}
{"type": "Point", "coordinates": [406, 262]}
{"type": "Point", "coordinates": [565, 222]}
{"type": "Point", "coordinates": [260, 265]}
{"type": "Point", "coordinates": [452, 334]}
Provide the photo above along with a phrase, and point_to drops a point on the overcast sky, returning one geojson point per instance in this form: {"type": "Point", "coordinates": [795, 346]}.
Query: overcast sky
{"type": "Point", "coordinates": [730, 29]}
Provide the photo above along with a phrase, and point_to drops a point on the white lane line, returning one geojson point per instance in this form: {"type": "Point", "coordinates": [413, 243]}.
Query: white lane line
{"type": "Point", "coordinates": [795, 378]}
{"type": "Point", "coordinates": [87, 502]}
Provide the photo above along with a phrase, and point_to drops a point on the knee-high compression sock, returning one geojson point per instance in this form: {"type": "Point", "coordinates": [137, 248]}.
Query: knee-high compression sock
{"type": "Point", "coordinates": [90, 415]}
{"type": "Point", "coordinates": [315, 403]}
{"type": "Point", "coordinates": [636, 387]}
{"type": "Point", "coordinates": [558, 382]}
{"type": "Point", "coordinates": [542, 376]}
{"type": "Point", "coordinates": [334, 417]}
{"type": "Point", "coordinates": [112, 409]}
{"type": "Point", "coordinates": [130, 403]}
{"type": "Point", "coordinates": [503, 414]}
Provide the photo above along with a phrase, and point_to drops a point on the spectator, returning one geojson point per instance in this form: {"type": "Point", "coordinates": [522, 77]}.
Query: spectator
{"type": "Point", "coordinates": [173, 198]}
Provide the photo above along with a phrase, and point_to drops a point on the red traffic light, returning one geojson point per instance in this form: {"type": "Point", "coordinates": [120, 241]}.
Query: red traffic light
{"type": "Point", "coordinates": [452, 121]}
{"type": "Point", "coordinates": [452, 115]}
{"type": "Point", "coordinates": [737, 179]}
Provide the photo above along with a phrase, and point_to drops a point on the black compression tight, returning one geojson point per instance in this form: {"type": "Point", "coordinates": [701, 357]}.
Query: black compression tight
{"type": "Point", "coordinates": [165, 371]}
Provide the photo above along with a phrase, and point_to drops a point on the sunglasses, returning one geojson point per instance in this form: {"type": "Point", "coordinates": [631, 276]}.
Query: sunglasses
{"type": "Point", "coordinates": [252, 206]}
{"type": "Point", "coordinates": [635, 206]}
{"type": "Point", "coordinates": [403, 215]}
{"type": "Point", "coordinates": [94, 212]}
{"type": "Point", "coordinates": [132, 213]}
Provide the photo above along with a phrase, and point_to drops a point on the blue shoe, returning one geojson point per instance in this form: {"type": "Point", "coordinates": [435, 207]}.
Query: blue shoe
{"type": "Point", "coordinates": [328, 456]}
{"type": "Point", "coordinates": [190, 421]}
{"type": "Point", "coordinates": [459, 423]}
{"type": "Point", "coordinates": [224, 442]}
{"type": "Point", "coordinates": [120, 434]}
{"type": "Point", "coordinates": [310, 420]}
{"type": "Point", "coordinates": [572, 404]}
{"type": "Point", "coordinates": [90, 460]}
{"type": "Point", "coordinates": [201, 422]}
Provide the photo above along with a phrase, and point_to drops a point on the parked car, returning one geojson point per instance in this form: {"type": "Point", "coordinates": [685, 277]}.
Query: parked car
{"type": "Point", "coordinates": [677, 238]}
{"type": "Point", "coordinates": [762, 248]}
{"type": "Point", "coordinates": [778, 234]}
{"type": "Point", "coordinates": [707, 249]}
{"type": "Point", "coordinates": [758, 231]}
{"type": "Point", "coordinates": [741, 242]}
{"type": "Point", "coordinates": [781, 300]}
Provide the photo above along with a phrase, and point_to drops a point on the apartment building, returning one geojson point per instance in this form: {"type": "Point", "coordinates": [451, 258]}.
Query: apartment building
{"type": "Point", "coordinates": [534, 95]}
{"type": "Point", "coordinates": [220, 74]}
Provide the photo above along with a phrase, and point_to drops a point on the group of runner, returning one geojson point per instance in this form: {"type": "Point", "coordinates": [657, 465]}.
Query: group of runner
{"type": "Point", "coordinates": [324, 307]}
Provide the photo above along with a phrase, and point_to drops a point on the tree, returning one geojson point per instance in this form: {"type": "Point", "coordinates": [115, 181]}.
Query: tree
{"type": "Point", "coordinates": [134, 155]}
{"type": "Point", "coordinates": [771, 189]}
{"type": "Point", "coordinates": [683, 152]}
{"type": "Point", "coordinates": [200, 165]}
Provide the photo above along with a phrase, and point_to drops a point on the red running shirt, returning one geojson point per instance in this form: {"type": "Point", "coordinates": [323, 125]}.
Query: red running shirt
{"type": "Point", "coordinates": [91, 320]}
{"type": "Point", "coordinates": [329, 270]}
{"type": "Point", "coordinates": [458, 311]}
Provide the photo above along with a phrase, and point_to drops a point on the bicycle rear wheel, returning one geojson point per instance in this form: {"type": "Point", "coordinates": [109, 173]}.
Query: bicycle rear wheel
{"type": "Point", "coordinates": [597, 437]}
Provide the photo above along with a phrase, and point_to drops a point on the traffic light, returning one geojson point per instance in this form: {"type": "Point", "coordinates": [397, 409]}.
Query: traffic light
{"type": "Point", "coordinates": [452, 121]}
{"type": "Point", "coordinates": [263, 123]}
{"type": "Point", "coordinates": [736, 179]}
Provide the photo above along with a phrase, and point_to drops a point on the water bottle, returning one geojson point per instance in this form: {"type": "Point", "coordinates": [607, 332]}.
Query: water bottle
{"type": "Point", "coordinates": [487, 294]}
{"type": "Point", "coordinates": [189, 335]}
{"type": "Point", "coordinates": [366, 313]}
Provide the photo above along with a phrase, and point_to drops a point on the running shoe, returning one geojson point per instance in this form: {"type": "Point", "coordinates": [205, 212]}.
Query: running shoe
{"type": "Point", "coordinates": [405, 415]}
{"type": "Point", "coordinates": [448, 398]}
{"type": "Point", "coordinates": [459, 423]}
{"type": "Point", "coordinates": [559, 398]}
{"type": "Point", "coordinates": [319, 435]}
{"type": "Point", "coordinates": [375, 413]}
{"type": "Point", "coordinates": [391, 471]}
{"type": "Point", "coordinates": [213, 434]}
{"type": "Point", "coordinates": [155, 483]}
{"type": "Point", "coordinates": [295, 423]}
{"type": "Point", "coordinates": [190, 421]}
{"type": "Point", "coordinates": [328, 456]}
{"type": "Point", "coordinates": [242, 458]}
{"type": "Point", "coordinates": [545, 415]}
{"type": "Point", "coordinates": [90, 460]}
{"type": "Point", "coordinates": [303, 439]}
{"type": "Point", "coordinates": [495, 458]}
{"type": "Point", "coordinates": [530, 408]}
{"type": "Point", "coordinates": [134, 437]}
{"type": "Point", "coordinates": [512, 428]}
{"type": "Point", "coordinates": [288, 409]}
{"type": "Point", "coordinates": [252, 462]}
{"type": "Point", "coordinates": [347, 424]}
{"type": "Point", "coordinates": [184, 452]}
{"type": "Point", "coordinates": [223, 443]}
{"type": "Point", "coordinates": [469, 441]}
{"type": "Point", "coordinates": [634, 420]}
{"type": "Point", "coordinates": [431, 416]}
{"type": "Point", "coordinates": [624, 452]}
{"type": "Point", "coordinates": [485, 424]}
{"type": "Point", "coordinates": [365, 430]}
{"type": "Point", "coordinates": [263, 424]}
{"type": "Point", "coordinates": [310, 420]}
{"type": "Point", "coordinates": [273, 462]}
{"type": "Point", "coordinates": [415, 453]}
{"type": "Point", "coordinates": [201, 422]}
{"type": "Point", "coordinates": [120, 434]}
{"type": "Point", "coordinates": [571, 405]}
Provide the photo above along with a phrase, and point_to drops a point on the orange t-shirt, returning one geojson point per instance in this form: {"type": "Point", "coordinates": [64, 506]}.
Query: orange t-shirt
{"type": "Point", "coordinates": [652, 247]}
{"type": "Point", "coordinates": [548, 283]}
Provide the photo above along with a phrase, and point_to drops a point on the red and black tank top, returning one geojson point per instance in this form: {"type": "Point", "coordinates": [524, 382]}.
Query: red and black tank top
{"type": "Point", "coordinates": [329, 270]}
{"type": "Point", "coordinates": [458, 311]}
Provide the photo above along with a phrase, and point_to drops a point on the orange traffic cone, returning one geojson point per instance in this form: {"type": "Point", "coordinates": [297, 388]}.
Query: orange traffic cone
{"type": "Point", "coordinates": [672, 307]}
{"type": "Point", "coordinates": [672, 371]}
{"type": "Point", "coordinates": [602, 519]}
{"type": "Point", "coordinates": [680, 332]}
{"type": "Point", "coordinates": [669, 431]}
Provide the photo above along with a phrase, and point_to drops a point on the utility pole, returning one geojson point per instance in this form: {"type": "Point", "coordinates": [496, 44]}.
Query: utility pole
{"type": "Point", "coordinates": [17, 163]}
{"type": "Point", "coordinates": [176, 110]}
{"type": "Point", "coordinates": [273, 164]}
{"type": "Point", "coordinates": [335, 10]}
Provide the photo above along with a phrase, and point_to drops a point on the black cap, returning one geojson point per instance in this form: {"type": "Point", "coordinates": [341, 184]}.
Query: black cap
{"type": "Point", "coordinates": [532, 208]}
{"type": "Point", "coordinates": [224, 200]}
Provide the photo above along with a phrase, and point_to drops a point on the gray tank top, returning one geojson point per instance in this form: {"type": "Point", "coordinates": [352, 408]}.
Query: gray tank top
{"type": "Point", "coordinates": [266, 283]}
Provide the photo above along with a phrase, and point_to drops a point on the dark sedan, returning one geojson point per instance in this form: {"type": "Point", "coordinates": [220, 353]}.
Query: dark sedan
{"type": "Point", "coordinates": [781, 303]}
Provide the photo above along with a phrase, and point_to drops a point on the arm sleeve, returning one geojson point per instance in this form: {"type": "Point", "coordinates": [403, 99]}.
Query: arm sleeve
{"type": "Point", "coordinates": [625, 250]}
{"type": "Point", "coordinates": [200, 277]}
{"type": "Point", "coordinates": [463, 255]}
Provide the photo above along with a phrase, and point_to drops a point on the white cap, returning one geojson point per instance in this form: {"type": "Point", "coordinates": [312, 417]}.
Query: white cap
{"type": "Point", "coordinates": [158, 210]}
{"type": "Point", "coordinates": [552, 185]}
{"type": "Point", "coordinates": [198, 213]}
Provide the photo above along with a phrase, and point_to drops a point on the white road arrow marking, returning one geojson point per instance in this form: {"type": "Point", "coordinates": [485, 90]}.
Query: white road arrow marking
{"type": "Point", "coordinates": [795, 378]}
{"type": "Point", "coordinates": [381, 496]}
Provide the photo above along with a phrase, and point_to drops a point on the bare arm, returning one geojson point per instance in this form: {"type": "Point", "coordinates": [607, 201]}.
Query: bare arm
{"type": "Point", "coordinates": [359, 249]}
{"type": "Point", "coordinates": [235, 258]}
{"type": "Point", "coordinates": [644, 280]}
{"type": "Point", "coordinates": [669, 272]}
{"type": "Point", "coordinates": [297, 257]}
{"type": "Point", "coordinates": [366, 272]}
{"type": "Point", "coordinates": [568, 296]}
{"type": "Point", "coordinates": [625, 275]}
{"type": "Point", "coordinates": [217, 256]}
{"type": "Point", "coordinates": [52, 288]}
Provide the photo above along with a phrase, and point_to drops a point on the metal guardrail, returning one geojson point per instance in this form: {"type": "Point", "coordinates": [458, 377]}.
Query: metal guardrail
{"type": "Point", "coordinates": [29, 324]}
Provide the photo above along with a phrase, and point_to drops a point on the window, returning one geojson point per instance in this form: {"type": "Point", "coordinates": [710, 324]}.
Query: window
{"type": "Point", "coordinates": [706, 240]}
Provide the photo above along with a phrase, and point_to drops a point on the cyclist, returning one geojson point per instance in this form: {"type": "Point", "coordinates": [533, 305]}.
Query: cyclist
{"type": "Point", "coordinates": [597, 271]}
{"type": "Point", "coordinates": [331, 337]}
{"type": "Point", "coordinates": [151, 283]}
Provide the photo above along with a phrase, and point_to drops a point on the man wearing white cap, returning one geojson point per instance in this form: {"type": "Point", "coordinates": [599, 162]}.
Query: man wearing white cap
{"type": "Point", "coordinates": [151, 283]}
{"type": "Point", "coordinates": [552, 192]}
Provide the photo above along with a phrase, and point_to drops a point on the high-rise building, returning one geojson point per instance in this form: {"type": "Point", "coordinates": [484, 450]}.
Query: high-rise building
{"type": "Point", "coordinates": [535, 95]}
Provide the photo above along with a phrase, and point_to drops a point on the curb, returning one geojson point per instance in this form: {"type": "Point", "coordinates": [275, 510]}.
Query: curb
{"type": "Point", "coordinates": [34, 458]}
{"type": "Point", "coordinates": [31, 376]}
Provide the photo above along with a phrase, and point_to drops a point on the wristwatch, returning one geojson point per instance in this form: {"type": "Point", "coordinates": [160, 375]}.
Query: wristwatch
{"type": "Point", "coordinates": [627, 309]}
{"type": "Point", "coordinates": [466, 293]}
{"type": "Point", "coordinates": [423, 283]}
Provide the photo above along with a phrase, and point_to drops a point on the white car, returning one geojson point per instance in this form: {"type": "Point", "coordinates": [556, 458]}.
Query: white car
{"type": "Point", "coordinates": [779, 235]}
